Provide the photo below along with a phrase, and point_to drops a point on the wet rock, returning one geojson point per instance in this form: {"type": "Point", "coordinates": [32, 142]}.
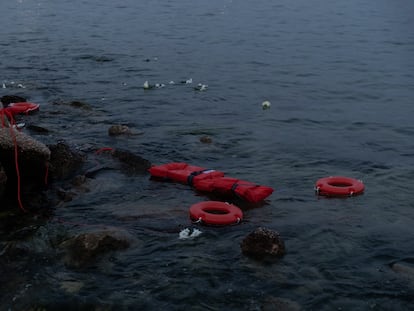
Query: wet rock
{"type": "Point", "coordinates": [118, 129]}
{"type": "Point", "coordinates": [8, 99]}
{"type": "Point", "coordinates": [85, 248]}
{"type": "Point", "coordinates": [79, 180]}
{"type": "Point", "coordinates": [263, 244]}
{"type": "Point", "coordinates": [133, 163]}
{"type": "Point", "coordinates": [64, 162]}
{"type": "Point", "coordinates": [32, 159]}
{"type": "Point", "coordinates": [29, 148]}
{"type": "Point", "coordinates": [65, 195]}
{"type": "Point", "coordinates": [280, 304]}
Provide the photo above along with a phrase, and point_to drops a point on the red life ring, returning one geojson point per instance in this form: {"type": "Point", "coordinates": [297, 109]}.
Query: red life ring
{"type": "Point", "coordinates": [339, 186]}
{"type": "Point", "coordinates": [22, 107]}
{"type": "Point", "coordinates": [216, 213]}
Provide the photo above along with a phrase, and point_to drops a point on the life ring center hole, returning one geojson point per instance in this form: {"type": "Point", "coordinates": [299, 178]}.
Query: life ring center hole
{"type": "Point", "coordinates": [340, 184]}
{"type": "Point", "coordinates": [215, 211]}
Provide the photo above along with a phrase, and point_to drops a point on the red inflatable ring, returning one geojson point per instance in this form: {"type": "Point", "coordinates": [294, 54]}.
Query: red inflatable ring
{"type": "Point", "coordinates": [339, 186]}
{"type": "Point", "coordinates": [216, 213]}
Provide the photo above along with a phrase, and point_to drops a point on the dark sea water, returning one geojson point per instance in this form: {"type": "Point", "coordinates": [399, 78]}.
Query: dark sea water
{"type": "Point", "coordinates": [340, 78]}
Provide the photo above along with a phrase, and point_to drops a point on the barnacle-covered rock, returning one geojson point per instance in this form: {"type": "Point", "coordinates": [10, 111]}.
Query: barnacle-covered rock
{"type": "Point", "coordinates": [263, 244]}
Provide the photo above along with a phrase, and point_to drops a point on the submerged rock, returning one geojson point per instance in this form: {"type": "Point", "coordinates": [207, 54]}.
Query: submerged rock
{"type": "Point", "coordinates": [280, 304]}
{"type": "Point", "coordinates": [79, 104]}
{"type": "Point", "coordinates": [206, 139]}
{"type": "Point", "coordinates": [404, 269]}
{"type": "Point", "coordinates": [263, 244]}
{"type": "Point", "coordinates": [71, 286]}
{"type": "Point", "coordinates": [3, 181]}
{"type": "Point", "coordinates": [133, 163]}
{"type": "Point", "coordinates": [85, 248]}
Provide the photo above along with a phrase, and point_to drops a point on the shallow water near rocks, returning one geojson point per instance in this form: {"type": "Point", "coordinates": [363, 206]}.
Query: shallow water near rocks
{"type": "Point", "coordinates": [339, 76]}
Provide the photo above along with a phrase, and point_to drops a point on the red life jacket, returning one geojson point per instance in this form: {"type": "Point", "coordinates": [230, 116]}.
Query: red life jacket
{"type": "Point", "coordinates": [227, 186]}
{"type": "Point", "coordinates": [183, 173]}
{"type": "Point", "coordinates": [208, 180]}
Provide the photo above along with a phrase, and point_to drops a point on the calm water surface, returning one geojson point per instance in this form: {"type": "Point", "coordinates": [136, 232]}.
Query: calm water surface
{"type": "Point", "coordinates": [340, 77]}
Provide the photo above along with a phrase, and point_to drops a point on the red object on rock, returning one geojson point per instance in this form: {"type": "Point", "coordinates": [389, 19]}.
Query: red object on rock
{"type": "Point", "coordinates": [339, 186]}
{"type": "Point", "coordinates": [21, 108]}
{"type": "Point", "coordinates": [216, 213]}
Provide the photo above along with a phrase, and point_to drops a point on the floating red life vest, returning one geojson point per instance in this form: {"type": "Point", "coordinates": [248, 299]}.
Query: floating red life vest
{"type": "Point", "coordinates": [216, 213]}
{"type": "Point", "coordinates": [208, 180]}
{"type": "Point", "coordinates": [227, 185]}
{"type": "Point", "coordinates": [339, 186]}
{"type": "Point", "coordinates": [21, 108]}
{"type": "Point", "coordinates": [184, 173]}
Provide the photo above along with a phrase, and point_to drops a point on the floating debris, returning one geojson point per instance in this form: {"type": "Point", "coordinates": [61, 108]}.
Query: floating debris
{"type": "Point", "coordinates": [266, 105]}
{"type": "Point", "coordinates": [4, 85]}
{"type": "Point", "coordinates": [149, 59]}
{"type": "Point", "coordinates": [201, 87]}
{"type": "Point", "coordinates": [19, 125]}
{"type": "Point", "coordinates": [189, 233]}
{"type": "Point", "coordinates": [147, 86]}
{"type": "Point", "coordinates": [188, 81]}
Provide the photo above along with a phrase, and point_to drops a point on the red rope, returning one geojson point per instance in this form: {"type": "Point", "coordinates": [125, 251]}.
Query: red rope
{"type": "Point", "coordinates": [104, 149]}
{"type": "Point", "coordinates": [16, 153]}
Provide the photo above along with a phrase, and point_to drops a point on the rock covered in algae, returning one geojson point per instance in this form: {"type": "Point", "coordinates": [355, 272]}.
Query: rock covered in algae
{"type": "Point", "coordinates": [263, 244]}
{"type": "Point", "coordinates": [119, 129]}
{"type": "Point", "coordinates": [29, 148]}
{"type": "Point", "coordinates": [64, 162]}
{"type": "Point", "coordinates": [31, 159]}
{"type": "Point", "coordinates": [85, 248]}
